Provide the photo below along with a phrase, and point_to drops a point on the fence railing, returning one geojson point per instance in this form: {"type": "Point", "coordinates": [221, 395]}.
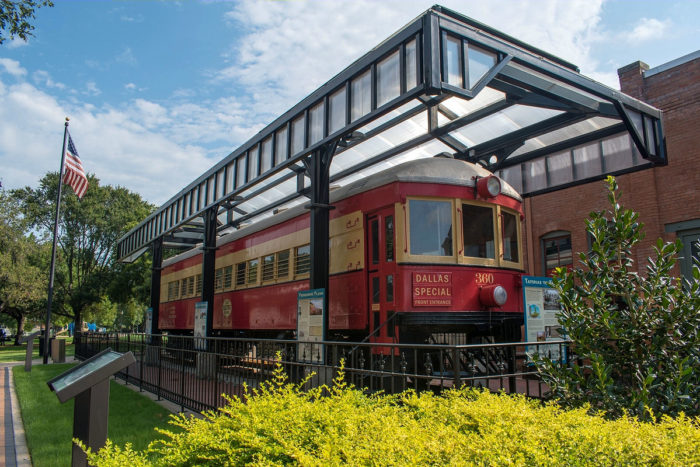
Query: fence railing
{"type": "Point", "coordinates": [195, 372]}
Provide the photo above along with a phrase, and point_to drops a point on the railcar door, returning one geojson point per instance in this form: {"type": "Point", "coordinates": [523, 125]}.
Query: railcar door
{"type": "Point", "coordinates": [381, 261]}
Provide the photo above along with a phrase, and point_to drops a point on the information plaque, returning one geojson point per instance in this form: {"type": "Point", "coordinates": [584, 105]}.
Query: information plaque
{"type": "Point", "coordinates": [30, 350]}
{"type": "Point", "coordinates": [88, 384]}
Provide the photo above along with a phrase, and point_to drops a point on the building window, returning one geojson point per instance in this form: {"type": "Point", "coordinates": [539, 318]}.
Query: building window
{"type": "Point", "coordinates": [690, 252]}
{"type": "Point", "coordinates": [557, 251]}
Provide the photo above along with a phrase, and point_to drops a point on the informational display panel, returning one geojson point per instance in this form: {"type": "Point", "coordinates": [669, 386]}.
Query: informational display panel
{"type": "Point", "coordinates": [310, 310]}
{"type": "Point", "coordinates": [91, 371]}
{"type": "Point", "coordinates": [200, 325]}
{"type": "Point", "coordinates": [542, 304]}
{"type": "Point", "coordinates": [149, 321]}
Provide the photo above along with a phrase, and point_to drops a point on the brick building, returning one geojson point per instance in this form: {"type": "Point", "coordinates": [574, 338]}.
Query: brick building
{"type": "Point", "coordinates": [666, 197]}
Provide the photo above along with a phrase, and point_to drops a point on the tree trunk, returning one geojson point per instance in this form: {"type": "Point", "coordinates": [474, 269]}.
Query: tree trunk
{"type": "Point", "coordinates": [20, 319]}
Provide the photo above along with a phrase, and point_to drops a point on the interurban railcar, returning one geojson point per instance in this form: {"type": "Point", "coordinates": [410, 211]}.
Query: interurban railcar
{"type": "Point", "coordinates": [427, 251]}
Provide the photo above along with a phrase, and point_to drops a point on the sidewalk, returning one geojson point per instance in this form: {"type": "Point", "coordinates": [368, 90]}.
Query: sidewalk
{"type": "Point", "coordinates": [13, 449]}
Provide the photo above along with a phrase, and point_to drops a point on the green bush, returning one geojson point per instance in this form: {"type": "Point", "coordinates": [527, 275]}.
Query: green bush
{"type": "Point", "coordinates": [636, 336]}
{"type": "Point", "coordinates": [280, 424]}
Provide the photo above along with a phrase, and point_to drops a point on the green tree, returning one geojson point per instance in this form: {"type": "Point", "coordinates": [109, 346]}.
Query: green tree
{"type": "Point", "coordinates": [636, 337]}
{"type": "Point", "coordinates": [86, 268]}
{"type": "Point", "coordinates": [23, 260]}
{"type": "Point", "coordinates": [15, 16]}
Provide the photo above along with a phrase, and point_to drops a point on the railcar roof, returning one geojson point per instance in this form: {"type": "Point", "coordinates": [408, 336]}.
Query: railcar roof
{"type": "Point", "coordinates": [438, 170]}
{"type": "Point", "coordinates": [443, 83]}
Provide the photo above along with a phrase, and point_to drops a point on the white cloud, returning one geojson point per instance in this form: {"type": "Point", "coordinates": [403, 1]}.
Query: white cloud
{"type": "Point", "coordinates": [291, 48]}
{"type": "Point", "coordinates": [647, 29]}
{"type": "Point", "coordinates": [130, 86]}
{"type": "Point", "coordinates": [43, 78]}
{"type": "Point", "coordinates": [15, 43]}
{"type": "Point", "coordinates": [12, 67]}
{"type": "Point", "coordinates": [91, 89]}
{"type": "Point", "coordinates": [153, 149]}
{"type": "Point", "coordinates": [126, 57]}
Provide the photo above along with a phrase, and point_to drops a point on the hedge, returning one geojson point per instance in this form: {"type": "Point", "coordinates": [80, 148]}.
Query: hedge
{"type": "Point", "coordinates": [281, 424]}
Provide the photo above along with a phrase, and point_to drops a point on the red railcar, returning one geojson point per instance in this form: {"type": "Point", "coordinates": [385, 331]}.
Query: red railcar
{"type": "Point", "coordinates": [427, 251]}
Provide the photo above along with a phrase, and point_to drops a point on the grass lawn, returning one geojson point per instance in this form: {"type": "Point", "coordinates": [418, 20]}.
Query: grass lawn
{"type": "Point", "coordinates": [17, 353]}
{"type": "Point", "coordinates": [49, 424]}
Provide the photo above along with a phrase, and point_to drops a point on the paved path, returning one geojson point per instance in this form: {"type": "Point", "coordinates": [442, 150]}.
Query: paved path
{"type": "Point", "coordinates": [13, 444]}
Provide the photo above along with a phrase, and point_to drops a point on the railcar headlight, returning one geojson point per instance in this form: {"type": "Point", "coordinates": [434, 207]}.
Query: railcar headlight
{"type": "Point", "coordinates": [493, 295]}
{"type": "Point", "coordinates": [488, 187]}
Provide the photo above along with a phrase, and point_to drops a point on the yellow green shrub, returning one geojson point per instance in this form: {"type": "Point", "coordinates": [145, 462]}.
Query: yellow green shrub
{"type": "Point", "coordinates": [280, 424]}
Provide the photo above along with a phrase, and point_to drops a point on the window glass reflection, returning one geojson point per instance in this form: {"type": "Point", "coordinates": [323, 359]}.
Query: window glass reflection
{"type": "Point", "coordinates": [336, 102]}
{"type": "Point", "coordinates": [431, 227]}
{"type": "Point", "coordinates": [411, 65]}
{"type": "Point", "coordinates": [510, 238]}
{"type": "Point", "coordinates": [361, 92]}
{"type": "Point", "coordinates": [388, 79]}
{"type": "Point", "coordinates": [477, 228]}
{"type": "Point", "coordinates": [480, 62]}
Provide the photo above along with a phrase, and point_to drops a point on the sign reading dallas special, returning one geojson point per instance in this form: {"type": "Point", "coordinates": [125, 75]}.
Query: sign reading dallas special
{"type": "Point", "coordinates": [432, 288]}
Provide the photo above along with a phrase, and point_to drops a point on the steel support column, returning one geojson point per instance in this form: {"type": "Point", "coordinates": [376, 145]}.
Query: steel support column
{"type": "Point", "coordinates": [208, 264]}
{"type": "Point", "coordinates": [318, 168]}
{"type": "Point", "coordinates": [156, 267]}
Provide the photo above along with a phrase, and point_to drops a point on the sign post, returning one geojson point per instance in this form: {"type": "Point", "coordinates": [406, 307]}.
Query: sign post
{"type": "Point", "coordinates": [30, 350]}
{"type": "Point", "coordinates": [88, 384]}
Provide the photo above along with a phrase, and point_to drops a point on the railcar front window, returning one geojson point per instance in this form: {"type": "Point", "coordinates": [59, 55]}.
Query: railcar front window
{"type": "Point", "coordinates": [510, 238]}
{"type": "Point", "coordinates": [431, 227]}
{"type": "Point", "coordinates": [477, 225]}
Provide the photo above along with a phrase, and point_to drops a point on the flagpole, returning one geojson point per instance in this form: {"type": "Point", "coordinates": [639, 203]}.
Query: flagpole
{"type": "Point", "coordinates": [53, 249]}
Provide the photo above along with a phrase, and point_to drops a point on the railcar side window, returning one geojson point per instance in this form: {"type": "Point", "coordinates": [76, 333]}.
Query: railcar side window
{"type": "Point", "coordinates": [190, 286]}
{"type": "Point", "coordinates": [240, 274]}
{"type": "Point", "coordinates": [198, 285]}
{"type": "Point", "coordinates": [282, 264]}
{"type": "Point", "coordinates": [510, 238]}
{"type": "Point", "coordinates": [253, 271]}
{"type": "Point", "coordinates": [268, 267]}
{"type": "Point", "coordinates": [477, 225]}
{"type": "Point", "coordinates": [431, 227]}
{"type": "Point", "coordinates": [172, 290]}
{"type": "Point", "coordinates": [302, 259]}
{"type": "Point", "coordinates": [228, 273]}
{"type": "Point", "coordinates": [218, 279]}
{"type": "Point", "coordinates": [183, 287]}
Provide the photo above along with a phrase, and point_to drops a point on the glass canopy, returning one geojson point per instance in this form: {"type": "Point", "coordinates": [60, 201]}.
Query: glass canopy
{"type": "Point", "coordinates": [442, 84]}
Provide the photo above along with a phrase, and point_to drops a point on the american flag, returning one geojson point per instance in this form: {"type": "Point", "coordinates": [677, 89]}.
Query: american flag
{"type": "Point", "coordinates": [74, 174]}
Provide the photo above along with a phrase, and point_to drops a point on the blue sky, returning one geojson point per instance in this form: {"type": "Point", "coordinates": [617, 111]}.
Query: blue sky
{"type": "Point", "coordinates": [159, 91]}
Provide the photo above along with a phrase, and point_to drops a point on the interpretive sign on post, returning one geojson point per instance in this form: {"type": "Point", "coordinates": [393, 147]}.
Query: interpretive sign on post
{"type": "Point", "coordinates": [30, 350]}
{"type": "Point", "coordinates": [310, 325]}
{"type": "Point", "coordinates": [88, 383]}
{"type": "Point", "coordinates": [542, 304]}
{"type": "Point", "coordinates": [200, 325]}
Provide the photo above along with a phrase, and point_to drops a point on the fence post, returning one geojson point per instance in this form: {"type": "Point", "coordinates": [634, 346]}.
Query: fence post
{"type": "Point", "coordinates": [457, 367]}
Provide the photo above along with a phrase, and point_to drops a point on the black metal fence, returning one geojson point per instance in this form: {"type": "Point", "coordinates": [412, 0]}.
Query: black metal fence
{"type": "Point", "coordinates": [195, 372]}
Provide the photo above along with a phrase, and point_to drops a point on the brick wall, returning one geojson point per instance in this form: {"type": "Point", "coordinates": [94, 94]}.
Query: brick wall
{"type": "Point", "coordinates": [661, 195]}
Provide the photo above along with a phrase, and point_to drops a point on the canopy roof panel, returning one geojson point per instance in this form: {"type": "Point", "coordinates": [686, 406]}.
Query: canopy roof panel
{"type": "Point", "coordinates": [442, 84]}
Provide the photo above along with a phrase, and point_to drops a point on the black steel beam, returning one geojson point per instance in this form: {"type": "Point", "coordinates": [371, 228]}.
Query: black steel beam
{"type": "Point", "coordinates": [156, 267]}
{"type": "Point", "coordinates": [319, 170]}
{"type": "Point", "coordinates": [208, 264]}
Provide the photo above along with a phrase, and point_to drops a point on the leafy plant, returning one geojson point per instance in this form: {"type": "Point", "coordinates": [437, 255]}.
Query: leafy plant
{"type": "Point", "coordinates": [636, 337]}
{"type": "Point", "coordinates": [281, 424]}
